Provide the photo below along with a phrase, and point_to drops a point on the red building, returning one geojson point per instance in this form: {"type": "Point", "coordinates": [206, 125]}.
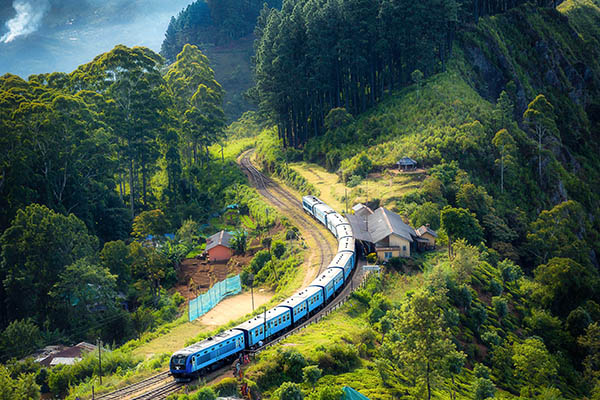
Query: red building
{"type": "Point", "coordinates": [218, 247]}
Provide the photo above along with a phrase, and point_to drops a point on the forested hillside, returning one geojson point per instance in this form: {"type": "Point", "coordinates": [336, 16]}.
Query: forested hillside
{"type": "Point", "coordinates": [114, 151]}
{"type": "Point", "coordinates": [505, 125]}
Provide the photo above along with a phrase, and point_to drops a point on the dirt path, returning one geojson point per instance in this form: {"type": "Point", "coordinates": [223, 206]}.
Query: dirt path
{"type": "Point", "coordinates": [227, 310]}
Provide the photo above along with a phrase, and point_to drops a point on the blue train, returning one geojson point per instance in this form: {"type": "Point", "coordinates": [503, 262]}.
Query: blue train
{"type": "Point", "coordinates": [202, 357]}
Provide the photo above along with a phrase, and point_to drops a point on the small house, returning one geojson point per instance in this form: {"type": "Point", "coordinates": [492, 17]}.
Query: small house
{"type": "Point", "coordinates": [383, 232]}
{"type": "Point", "coordinates": [218, 246]}
{"type": "Point", "coordinates": [407, 164]}
{"type": "Point", "coordinates": [427, 236]}
{"type": "Point", "coordinates": [57, 355]}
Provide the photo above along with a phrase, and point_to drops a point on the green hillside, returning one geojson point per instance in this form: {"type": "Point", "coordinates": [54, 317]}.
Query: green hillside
{"type": "Point", "coordinates": [520, 295]}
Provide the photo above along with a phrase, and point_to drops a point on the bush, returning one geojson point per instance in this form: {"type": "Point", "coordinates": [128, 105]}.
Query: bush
{"type": "Point", "coordinates": [259, 261]}
{"type": "Point", "coordinates": [481, 371]}
{"type": "Point", "coordinates": [278, 248]}
{"type": "Point", "coordinates": [205, 393]}
{"type": "Point", "coordinates": [372, 258]}
{"type": "Point", "coordinates": [495, 288]}
{"type": "Point", "coordinates": [338, 359]}
{"type": "Point", "coordinates": [484, 388]}
{"type": "Point", "coordinates": [500, 306]}
{"type": "Point", "coordinates": [354, 181]}
{"type": "Point", "coordinates": [311, 374]}
{"type": "Point", "coordinates": [330, 393]}
{"type": "Point", "coordinates": [289, 391]}
{"type": "Point", "coordinates": [227, 387]}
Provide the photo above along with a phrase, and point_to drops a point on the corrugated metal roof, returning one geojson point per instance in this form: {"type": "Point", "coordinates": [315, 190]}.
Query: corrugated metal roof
{"type": "Point", "coordinates": [406, 161]}
{"type": "Point", "coordinates": [383, 223]}
{"type": "Point", "coordinates": [359, 228]}
{"type": "Point", "coordinates": [425, 229]}
{"type": "Point", "coordinates": [220, 238]}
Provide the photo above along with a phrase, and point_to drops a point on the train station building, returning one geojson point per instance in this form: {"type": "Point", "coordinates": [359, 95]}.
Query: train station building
{"type": "Point", "coordinates": [385, 233]}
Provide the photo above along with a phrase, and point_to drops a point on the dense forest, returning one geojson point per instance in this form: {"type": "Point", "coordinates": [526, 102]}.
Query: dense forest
{"type": "Point", "coordinates": [114, 151]}
{"type": "Point", "coordinates": [313, 56]}
{"type": "Point", "coordinates": [498, 102]}
{"type": "Point", "coordinates": [212, 23]}
{"type": "Point", "coordinates": [506, 129]}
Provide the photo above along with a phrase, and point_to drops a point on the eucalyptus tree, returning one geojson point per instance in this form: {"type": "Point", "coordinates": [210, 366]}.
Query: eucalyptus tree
{"type": "Point", "coordinates": [131, 80]}
{"type": "Point", "coordinates": [198, 101]}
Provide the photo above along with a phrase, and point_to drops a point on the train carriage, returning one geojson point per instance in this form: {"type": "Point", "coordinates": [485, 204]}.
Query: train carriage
{"type": "Point", "coordinates": [257, 329]}
{"type": "Point", "coordinates": [330, 281]}
{"type": "Point", "coordinates": [320, 212]}
{"type": "Point", "coordinates": [334, 220]}
{"type": "Point", "coordinates": [192, 360]}
{"type": "Point", "coordinates": [345, 261]}
{"type": "Point", "coordinates": [343, 231]}
{"type": "Point", "coordinates": [200, 357]}
{"type": "Point", "coordinates": [346, 245]}
{"type": "Point", "coordinates": [308, 202]}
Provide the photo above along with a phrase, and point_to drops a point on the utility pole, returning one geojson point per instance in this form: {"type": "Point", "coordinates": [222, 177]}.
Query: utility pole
{"type": "Point", "coordinates": [346, 198]}
{"type": "Point", "coordinates": [251, 281]}
{"type": "Point", "coordinates": [100, 359]}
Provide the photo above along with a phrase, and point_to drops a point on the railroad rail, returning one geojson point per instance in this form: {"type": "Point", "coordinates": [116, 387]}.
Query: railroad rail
{"type": "Point", "coordinates": [154, 387]}
{"type": "Point", "coordinates": [134, 388]}
{"type": "Point", "coordinates": [292, 205]}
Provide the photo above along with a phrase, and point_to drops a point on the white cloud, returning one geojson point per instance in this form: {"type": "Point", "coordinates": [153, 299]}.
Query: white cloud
{"type": "Point", "coordinates": [28, 18]}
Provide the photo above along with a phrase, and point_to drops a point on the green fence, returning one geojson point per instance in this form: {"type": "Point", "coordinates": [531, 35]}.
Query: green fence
{"type": "Point", "coordinates": [205, 302]}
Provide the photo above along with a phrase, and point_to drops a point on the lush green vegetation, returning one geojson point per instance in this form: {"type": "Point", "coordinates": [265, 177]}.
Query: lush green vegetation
{"type": "Point", "coordinates": [509, 143]}
{"type": "Point", "coordinates": [313, 56]}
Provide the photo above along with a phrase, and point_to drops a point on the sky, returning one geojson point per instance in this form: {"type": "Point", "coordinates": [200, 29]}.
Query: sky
{"type": "Point", "coordinates": [38, 36]}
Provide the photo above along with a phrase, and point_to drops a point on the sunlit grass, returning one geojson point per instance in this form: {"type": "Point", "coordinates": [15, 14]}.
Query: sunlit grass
{"type": "Point", "coordinates": [387, 186]}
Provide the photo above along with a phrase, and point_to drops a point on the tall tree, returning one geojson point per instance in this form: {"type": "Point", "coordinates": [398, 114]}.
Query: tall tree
{"type": "Point", "coordinates": [542, 120]}
{"type": "Point", "coordinates": [460, 223]}
{"type": "Point", "coordinates": [506, 147]}
{"type": "Point", "coordinates": [199, 99]}
{"type": "Point", "coordinates": [131, 78]}
{"type": "Point", "coordinates": [424, 344]}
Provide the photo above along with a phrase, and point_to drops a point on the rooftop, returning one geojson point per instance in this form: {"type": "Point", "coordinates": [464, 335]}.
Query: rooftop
{"type": "Point", "coordinates": [426, 229]}
{"type": "Point", "coordinates": [379, 225]}
{"type": "Point", "coordinates": [218, 239]}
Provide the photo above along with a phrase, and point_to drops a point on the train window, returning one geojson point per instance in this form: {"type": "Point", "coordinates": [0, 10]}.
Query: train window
{"type": "Point", "coordinates": [194, 360]}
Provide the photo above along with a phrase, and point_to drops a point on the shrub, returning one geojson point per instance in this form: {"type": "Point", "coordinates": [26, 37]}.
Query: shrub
{"type": "Point", "coordinates": [354, 181]}
{"type": "Point", "coordinates": [481, 371]}
{"type": "Point", "coordinates": [330, 393]}
{"type": "Point", "coordinates": [500, 306]}
{"type": "Point", "coordinates": [293, 363]}
{"type": "Point", "coordinates": [338, 359]}
{"type": "Point", "coordinates": [259, 261]}
{"type": "Point", "coordinates": [495, 288]}
{"type": "Point", "coordinates": [289, 391]}
{"type": "Point", "coordinates": [278, 248]}
{"type": "Point", "coordinates": [372, 258]}
{"type": "Point", "coordinates": [484, 388]}
{"type": "Point", "coordinates": [491, 338]}
{"type": "Point", "coordinates": [227, 387]}
{"type": "Point", "coordinates": [205, 393]}
{"type": "Point", "coordinates": [311, 375]}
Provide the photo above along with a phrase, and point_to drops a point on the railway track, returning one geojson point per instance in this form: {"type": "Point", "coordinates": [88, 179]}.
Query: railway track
{"type": "Point", "coordinates": [134, 388]}
{"type": "Point", "coordinates": [284, 200]}
{"type": "Point", "coordinates": [155, 386]}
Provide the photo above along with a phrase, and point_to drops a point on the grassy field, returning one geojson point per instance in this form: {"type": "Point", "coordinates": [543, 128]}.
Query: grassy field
{"type": "Point", "coordinates": [387, 186]}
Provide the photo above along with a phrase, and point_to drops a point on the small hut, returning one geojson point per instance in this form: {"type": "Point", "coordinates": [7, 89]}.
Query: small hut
{"type": "Point", "coordinates": [407, 164]}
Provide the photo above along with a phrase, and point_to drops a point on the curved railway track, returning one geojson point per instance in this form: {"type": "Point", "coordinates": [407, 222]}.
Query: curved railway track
{"type": "Point", "coordinates": [284, 200]}
{"type": "Point", "coordinates": [160, 386]}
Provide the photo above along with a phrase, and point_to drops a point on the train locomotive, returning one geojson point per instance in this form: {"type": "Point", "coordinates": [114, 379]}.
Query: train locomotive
{"type": "Point", "coordinates": [204, 356]}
